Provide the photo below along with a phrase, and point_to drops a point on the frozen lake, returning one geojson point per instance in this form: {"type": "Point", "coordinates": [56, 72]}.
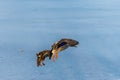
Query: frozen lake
{"type": "Point", "coordinates": [30, 26]}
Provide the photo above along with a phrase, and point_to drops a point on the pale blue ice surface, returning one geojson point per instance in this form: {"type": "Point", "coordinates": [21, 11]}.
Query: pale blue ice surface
{"type": "Point", "coordinates": [30, 26]}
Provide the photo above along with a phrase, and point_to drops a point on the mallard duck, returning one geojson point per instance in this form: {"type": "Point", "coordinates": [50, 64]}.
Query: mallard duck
{"type": "Point", "coordinates": [41, 57]}
{"type": "Point", "coordinates": [60, 46]}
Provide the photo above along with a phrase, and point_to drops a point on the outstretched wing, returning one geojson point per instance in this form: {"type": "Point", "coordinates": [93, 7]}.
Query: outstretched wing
{"type": "Point", "coordinates": [69, 42]}
{"type": "Point", "coordinates": [64, 44]}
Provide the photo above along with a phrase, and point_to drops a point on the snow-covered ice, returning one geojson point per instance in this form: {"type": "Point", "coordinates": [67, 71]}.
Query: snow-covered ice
{"type": "Point", "coordinates": [30, 26]}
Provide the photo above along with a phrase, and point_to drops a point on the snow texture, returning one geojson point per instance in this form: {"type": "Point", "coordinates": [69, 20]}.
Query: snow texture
{"type": "Point", "coordinates": [30, 26]}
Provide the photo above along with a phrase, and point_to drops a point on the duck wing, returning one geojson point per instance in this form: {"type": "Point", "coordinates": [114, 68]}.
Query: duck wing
{"type": "Point", "coordinates": [64, 44]}
{"type": "Point", "coordinates": [69, 42]}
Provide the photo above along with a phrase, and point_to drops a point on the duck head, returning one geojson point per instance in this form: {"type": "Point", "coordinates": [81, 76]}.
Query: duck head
{"type": "Point", "coordinates": [39, 58]}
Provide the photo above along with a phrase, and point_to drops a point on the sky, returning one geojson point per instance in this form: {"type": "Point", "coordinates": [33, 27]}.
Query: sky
{"type": "Point", "coordinates": [31, 26]}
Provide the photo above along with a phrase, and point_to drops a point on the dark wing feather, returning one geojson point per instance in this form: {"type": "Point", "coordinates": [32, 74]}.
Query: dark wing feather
{"type": "Point", "coordinates": [63, 48]}
{"type": "Point", "coordinates": [62, 44]}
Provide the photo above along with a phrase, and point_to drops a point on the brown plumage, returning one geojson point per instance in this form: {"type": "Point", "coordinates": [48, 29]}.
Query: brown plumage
{"type": "Point", "coordinates": [56, 48]}
{"type": "Point", "coordinates": [41, 57]}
